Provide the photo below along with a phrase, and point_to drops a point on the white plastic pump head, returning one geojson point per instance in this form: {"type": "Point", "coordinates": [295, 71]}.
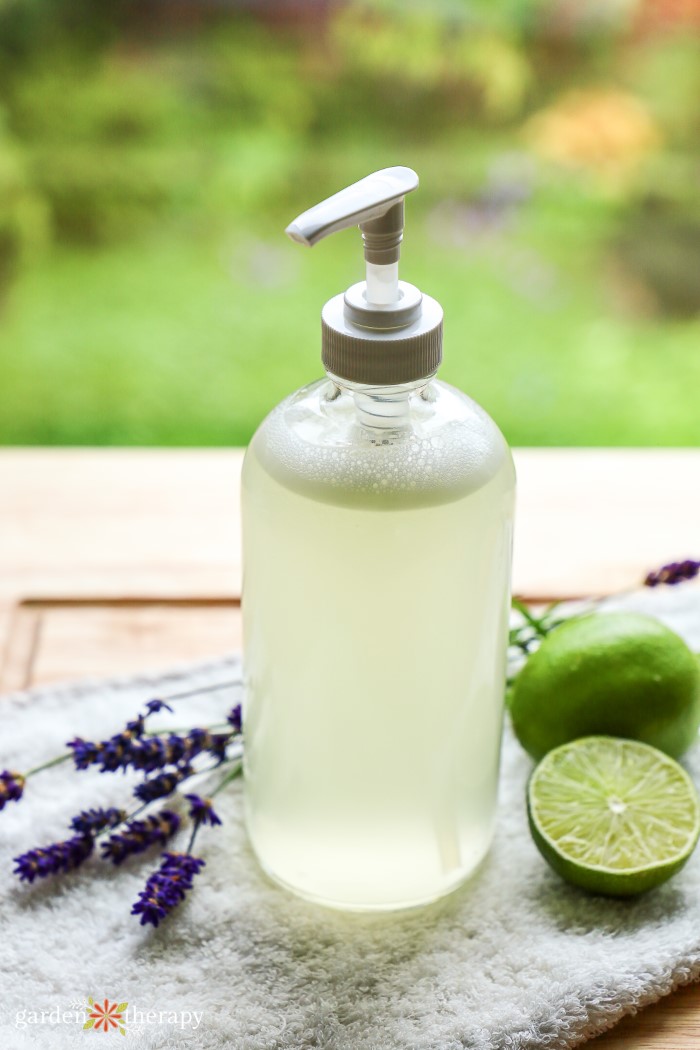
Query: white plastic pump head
{"type": "Point", "coordinates": [383, 330]}
{"type": "Point", "coordinates": [375, 204]}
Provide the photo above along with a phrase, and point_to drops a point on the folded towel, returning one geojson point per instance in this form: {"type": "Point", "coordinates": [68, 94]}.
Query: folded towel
{"type": "Point", "coordinates": [515, 959]}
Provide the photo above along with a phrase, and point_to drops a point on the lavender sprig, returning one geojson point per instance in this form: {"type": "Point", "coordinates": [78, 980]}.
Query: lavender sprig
{"type": "Point", "coordinates": [202, 811]}
{"type": "Point", "coordinates": [167, 887]}
{"type": "Point", "coordinates": [163, 785]}
{"type": "Point", "coordinates": [11, 787]}
{"type": "Point", "coordinates": [154, 706]}
{"type": "Point", "coordinates": [134, 747]}
{"type": "Point", "coordinates": [116, 752]}
{"type": "Point", "coordinates": [128, 748]}
{"type": "Point", "coordinates": [58, 857]}
{"type": "Point", "coordinates": [92, 821]}
{"type": "Point", "coordinates": [136, 727]}
{"type": "Point", "coordinates": [235, 718]}
{"type": "Point", "coordinates": [71, 853]}
{"type": "Point", "coordinates": [673, 573]}
{"type": "Point", "coordinates": [124, 751]}
{"type": "Point", "coordinates": [139, 835]}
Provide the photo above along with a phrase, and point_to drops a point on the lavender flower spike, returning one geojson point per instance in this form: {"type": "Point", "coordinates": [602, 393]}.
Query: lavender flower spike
{"type": "Point", "coordinates": [235, 718]}
{"type": "Point", "coordinates": [167, 887]}
{"type": "Point", "coordinates": [11, 787]}
{"type": "Point", "coordinates": [162, 785]}
{"type": "Point", "coordinates": [674, 572]}
{"type": "Point", "coordinates": [120, 750]}
{"type": "Point", "coordinates": [154, 706]}
{"type": "Point", "coordinates": [139, 835]}
{"type": "Point", "coordinates": [202, 811]}
{"type": "Point", "coordinates": [84, 752]}
{"type": "Point", "coordinates": [136, 726]}
{"type": "Point", "coordinates": [64, 856]}
{"type": "Point", "coordinates": [129, 750]}
{"type": "Point", "coordinates": [90, 821]}
{"type": "Point", "coordinates": [49, 860]}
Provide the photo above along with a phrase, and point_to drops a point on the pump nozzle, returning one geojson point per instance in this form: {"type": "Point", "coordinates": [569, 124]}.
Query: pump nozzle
{"type": "Point", "coordinates": [382, 331]}
{"type": "Point", "coordinates": [375, 204]}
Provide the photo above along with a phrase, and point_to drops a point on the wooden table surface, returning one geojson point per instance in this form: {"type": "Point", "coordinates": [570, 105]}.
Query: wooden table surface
{"type": "Point", "coordinates": [115, 560]}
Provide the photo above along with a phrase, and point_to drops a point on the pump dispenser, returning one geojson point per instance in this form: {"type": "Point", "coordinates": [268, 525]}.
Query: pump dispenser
{"type": "Point", "coordinates": [382, 330]}
{"type": "Point", "coordinates": [377, 522]}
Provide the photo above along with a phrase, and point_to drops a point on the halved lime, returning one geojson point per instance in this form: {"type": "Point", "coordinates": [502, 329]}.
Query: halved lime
{"type": "Point", "coordinates": [613, 816]}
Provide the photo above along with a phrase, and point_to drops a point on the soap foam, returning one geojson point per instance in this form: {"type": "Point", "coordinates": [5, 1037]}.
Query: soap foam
{"type": "Point", "coordinates": [320, 449]}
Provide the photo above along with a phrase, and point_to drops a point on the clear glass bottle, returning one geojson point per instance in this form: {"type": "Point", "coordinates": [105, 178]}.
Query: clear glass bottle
{"type": "Point", "coordinates": [377, 523]}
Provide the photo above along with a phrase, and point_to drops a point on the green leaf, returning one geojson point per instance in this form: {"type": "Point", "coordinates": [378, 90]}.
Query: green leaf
{"type": "Point", "coordinates": [534, 621]}
{"type": "Point", "coordinates": [91, 1001]}
{"type": "Point", "coordinates": [121, 1008]}
{"type": "Point", "coordinates": [89, 1024]}
{"type": "Point", "coordinates": [123, 1031]}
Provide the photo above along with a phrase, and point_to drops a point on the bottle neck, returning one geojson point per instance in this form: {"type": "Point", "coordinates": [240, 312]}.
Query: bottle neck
{"type": "Point", "coordinates": [382, 407]}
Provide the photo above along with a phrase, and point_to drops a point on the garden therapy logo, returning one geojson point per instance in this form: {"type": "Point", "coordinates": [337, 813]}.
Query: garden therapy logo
{"type": "Point", "coordinates": [106, 1017]}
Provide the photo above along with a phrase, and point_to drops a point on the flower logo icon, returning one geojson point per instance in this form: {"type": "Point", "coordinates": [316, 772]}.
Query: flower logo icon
{"type": "Point", "coordinates": [106, 1016]}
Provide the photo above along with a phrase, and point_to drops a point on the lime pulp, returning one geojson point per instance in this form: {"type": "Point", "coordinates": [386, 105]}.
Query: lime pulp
{"type": "Point", "coordinates": [613, 816]}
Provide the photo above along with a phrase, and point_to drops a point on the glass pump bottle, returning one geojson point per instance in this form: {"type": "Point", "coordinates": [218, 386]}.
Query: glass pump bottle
{"type": "Point", "coordinates": [377, 522]}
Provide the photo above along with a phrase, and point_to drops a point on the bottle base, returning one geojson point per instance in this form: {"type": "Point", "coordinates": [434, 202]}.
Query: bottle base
{"type": "Point", "coordinates": [369, 907]}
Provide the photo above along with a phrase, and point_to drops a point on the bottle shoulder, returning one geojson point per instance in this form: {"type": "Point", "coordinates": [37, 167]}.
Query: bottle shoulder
{"type": "Point", "coordinates": [444, 447]}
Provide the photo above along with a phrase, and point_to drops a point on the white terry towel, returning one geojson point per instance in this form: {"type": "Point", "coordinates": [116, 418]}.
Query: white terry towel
{"type": "Point", "coordinates": [516, 959]}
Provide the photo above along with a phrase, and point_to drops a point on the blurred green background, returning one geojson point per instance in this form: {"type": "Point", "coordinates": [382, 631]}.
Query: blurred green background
{"type": "Point", "coordinates": [151, 154]}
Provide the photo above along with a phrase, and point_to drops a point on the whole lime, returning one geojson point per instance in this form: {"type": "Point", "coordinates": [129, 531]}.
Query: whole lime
{"type": "Point", "coordinates": [612, 674]}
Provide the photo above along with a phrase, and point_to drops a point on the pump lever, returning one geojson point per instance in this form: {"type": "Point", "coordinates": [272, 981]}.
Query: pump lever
{"type": "Point", "coordinates": [375, 204]}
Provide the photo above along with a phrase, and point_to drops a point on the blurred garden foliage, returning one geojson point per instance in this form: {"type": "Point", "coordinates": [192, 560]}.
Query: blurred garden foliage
{"type": "Point", "coordinates": [152, 153]}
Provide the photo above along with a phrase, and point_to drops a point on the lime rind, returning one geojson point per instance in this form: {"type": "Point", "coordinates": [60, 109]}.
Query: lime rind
{"type": "Point", "coordinates": [612, 815]}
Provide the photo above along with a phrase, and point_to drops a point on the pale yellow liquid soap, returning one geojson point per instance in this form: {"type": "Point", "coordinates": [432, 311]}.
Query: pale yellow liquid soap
{"type": "Point", "coordinates": [377, 544]}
